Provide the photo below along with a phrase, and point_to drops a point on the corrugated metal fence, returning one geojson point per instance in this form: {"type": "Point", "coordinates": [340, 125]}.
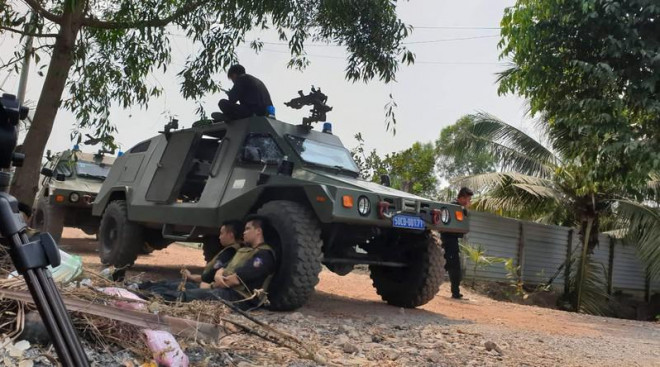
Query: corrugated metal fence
{"type": "Point", "coordinates": [542, 250]}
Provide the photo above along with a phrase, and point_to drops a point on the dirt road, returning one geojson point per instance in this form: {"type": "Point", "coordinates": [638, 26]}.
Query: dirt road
{"type": "Point", "coordinates": [347, 319]}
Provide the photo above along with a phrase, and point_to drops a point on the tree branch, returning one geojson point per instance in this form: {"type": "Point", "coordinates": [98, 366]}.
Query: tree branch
{"type": "Point", "coordinates": [28, 33]}
{"type": "Point", "coordinates": [156, 22]}
{"type": "Point", "coordinates": [17, 59]}
{"type": "Point", "coordinates": [36, 6]}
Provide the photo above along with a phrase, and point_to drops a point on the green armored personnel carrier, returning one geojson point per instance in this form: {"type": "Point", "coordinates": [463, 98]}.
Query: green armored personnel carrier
{"type": "Point", "coordinates": [70, 181]}
{"type": "Point", "coordinates": [181, 185]}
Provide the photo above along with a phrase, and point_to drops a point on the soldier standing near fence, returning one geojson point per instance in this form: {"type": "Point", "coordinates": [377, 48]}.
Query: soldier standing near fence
{"type": "Point", "coordinates": [452, 250]}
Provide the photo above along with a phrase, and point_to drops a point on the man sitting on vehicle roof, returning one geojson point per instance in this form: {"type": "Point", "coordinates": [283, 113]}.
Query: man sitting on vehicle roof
{"type": "Point", "coordinates": [249, 91]}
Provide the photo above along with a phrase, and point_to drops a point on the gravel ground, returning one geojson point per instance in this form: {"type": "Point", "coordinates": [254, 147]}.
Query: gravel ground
{"type": "Point", "coordinates": [348, 325]}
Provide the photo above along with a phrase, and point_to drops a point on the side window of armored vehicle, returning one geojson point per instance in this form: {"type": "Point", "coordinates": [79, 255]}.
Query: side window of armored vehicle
{"type": "Point", "coordinates": [141, 147]}
{"type": "Point", "coordinates": [261, 147]}
{"type": "Point", "coordinates": [199, 169]}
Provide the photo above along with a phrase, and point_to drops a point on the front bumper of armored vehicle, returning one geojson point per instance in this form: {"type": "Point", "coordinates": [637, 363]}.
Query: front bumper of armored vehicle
{"type": "Point", "coordinates": [376, 209]}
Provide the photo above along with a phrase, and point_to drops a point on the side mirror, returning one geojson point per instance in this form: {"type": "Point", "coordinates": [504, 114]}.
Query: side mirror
{"type": "Point", "coordinates": [385, 180]}
{"type": "Point", "coordinates": [285, 168]}
{"type": "Point", "coordinates": [47, 172]}
{"type": "Point", "coordinates": [251, 154]}
{"type": "Point", "coordinates": [60, 177]}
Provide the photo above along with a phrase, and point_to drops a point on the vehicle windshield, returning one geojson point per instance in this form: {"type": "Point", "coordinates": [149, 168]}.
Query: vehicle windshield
{"type": "Point", "coordinates": [93, 170]}
{"type": "Point", "coordinates": [323, 154]}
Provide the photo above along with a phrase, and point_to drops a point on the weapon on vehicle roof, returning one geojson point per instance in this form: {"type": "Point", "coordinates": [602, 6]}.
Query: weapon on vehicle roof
{"type": "Point", "coordinates": [172, 125]}
{"type": "Point", "coordinates": [316, 99]}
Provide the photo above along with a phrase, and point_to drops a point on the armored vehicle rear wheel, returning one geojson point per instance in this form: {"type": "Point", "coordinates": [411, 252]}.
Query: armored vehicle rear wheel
{"type": "Point", "coordinates": [120, 239]}
{"type": "Point", "coordinates": [417, 283]}
{"type": "Point", "coordinates": [49, 218]}
{"type": "Point", "coordinates": [211, 246]}
{"type": "Point", "coordinates": [298, 245]}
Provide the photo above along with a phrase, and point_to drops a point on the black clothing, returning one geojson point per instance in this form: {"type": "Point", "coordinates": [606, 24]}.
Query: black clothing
{"type": "Point", "coordinates": [169, 291]}
{"type": "Point", "coordinates": [232, 111]}
{"type": "Point", "coordinates": [219, 261]}
{"type": "Point", "coordinates": [252, 95]}
{"type": "Point", "coordinates": [452, 258]}
{"type": "Point", "coordinates": [255, 272]}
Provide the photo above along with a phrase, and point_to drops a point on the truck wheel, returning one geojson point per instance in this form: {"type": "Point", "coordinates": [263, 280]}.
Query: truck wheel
{"type": "Point", "coordinates": [298, 243]}
{"type": "Point", "coordinates": [120, 239]}
{"type": "Point", "coordinates": [417, 283]}
{"type": "Point", "coordinates": [211, 246]}
{"type": "Point", "coordinates": [49, 218]}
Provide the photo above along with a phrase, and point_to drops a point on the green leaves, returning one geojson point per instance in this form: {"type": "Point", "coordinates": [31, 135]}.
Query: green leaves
{"type": "Point", "coordinates": [120, 44]}
{"type": "Point", "coordinates": [455, 160]}
{"type": "Point", "coordinates": [410, 170]}
{"type": "Point", "coordinates": [589, 67]}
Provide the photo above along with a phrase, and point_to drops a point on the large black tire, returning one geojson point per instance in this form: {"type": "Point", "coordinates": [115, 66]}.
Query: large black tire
{"type": "Point", "coordinates": [211, 246]}
{"type": "Point", "coordinates": [120, 240]}
{"type": "Point", "coordinates": [419, 282]}
{"type": "Point", "coordinates": [297, 243]}
{"type": "Point", "coordinates": [49, 218]}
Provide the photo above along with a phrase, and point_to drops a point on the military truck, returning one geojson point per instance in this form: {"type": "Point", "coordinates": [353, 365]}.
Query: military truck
{"type": "Point", "coordinates": [70, 181]}
{"type": "Point", "coordinates": [181, 185]}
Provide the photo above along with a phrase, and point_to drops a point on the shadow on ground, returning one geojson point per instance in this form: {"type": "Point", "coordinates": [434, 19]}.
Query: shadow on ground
{"type": "Point", "coordinates": [327, 305]}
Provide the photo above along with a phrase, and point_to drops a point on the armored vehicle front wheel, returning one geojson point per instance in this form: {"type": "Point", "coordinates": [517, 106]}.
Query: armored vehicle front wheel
{"type": "Point", "coordinates": [417, 283]}
{"type": "Point", "coordinates": [298, 246]}
{"type": "Point", "coordinates": [49, 218]}
{"type": "Point", "coordinates": [120, 240]}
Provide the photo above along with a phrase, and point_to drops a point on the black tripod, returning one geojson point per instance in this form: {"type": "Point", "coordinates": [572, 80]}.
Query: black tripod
{"type": "Point", "coordinates": [31, 256]}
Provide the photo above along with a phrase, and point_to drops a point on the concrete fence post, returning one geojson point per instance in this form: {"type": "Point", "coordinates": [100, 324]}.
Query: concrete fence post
{"type": "Point", "coordinates": [567, 264]}
{"type": "Point", "coordinates": [610, 267]}
{"type": "Point", "coordinates": [521, 249]}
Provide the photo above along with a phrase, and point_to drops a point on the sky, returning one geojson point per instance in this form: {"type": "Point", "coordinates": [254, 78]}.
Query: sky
{"type": "Point", "coordinates": [457, 61]}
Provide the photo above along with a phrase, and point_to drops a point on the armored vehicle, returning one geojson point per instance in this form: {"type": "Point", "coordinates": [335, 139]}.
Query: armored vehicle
{"type": "Point", "coordinates": [181, 185]}
{"type": "Point", "coordinates": [70, 182]}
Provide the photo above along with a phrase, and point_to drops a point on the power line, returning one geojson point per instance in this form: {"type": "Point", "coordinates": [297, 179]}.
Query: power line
{"type": "Point", "coordinates": [403, 43]}
{"type": "Point", "coordinates": [452, 27]}
{"type": "Point", "coordinates": [457, 63]}
{"type": "Point", "coordinates": [450, 39]}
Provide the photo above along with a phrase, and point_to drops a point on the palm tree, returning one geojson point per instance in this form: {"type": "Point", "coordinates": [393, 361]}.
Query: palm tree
{"type": "Point", "coordinates": [536, 183]}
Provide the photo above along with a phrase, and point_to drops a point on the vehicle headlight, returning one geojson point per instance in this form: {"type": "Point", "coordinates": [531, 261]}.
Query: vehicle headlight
{"type": "Point", "coordinates": [445, 215]}
{"type": "Point", "coordinates": [74, 197]}
{"type": "Point", "coordinates": [364, 206]}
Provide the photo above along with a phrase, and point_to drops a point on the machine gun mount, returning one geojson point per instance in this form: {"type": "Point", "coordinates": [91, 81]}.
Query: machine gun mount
{"type": "Point", "coordinates": [316, 99]}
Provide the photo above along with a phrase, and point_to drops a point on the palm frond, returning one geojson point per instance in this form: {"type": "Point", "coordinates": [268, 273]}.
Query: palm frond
{"type": "Point", "coordinates": [595, 299]}
{"type": "Point", "coordinates": [485, 181]}
{"type": "Point", "coordinates": [643, 230]}
{"type": "Point", "coordinates": [515, 150]}
{"type": "Point", "coordinates": [654, 184]}
{"type": "Point", "coordinates": [540, 190]}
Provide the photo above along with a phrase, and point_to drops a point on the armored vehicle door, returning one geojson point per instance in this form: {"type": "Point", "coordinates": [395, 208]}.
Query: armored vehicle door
{"type": "Point", "coordinates": [167, 179]}
{"type": "Point", "coordinates": [190, 159]}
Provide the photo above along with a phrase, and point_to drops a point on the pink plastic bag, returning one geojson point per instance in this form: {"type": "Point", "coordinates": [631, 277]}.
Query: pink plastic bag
{"type": "Point", "coordinates": [136, 303]}
{"type": "Point", "coordinates": [165, 349]}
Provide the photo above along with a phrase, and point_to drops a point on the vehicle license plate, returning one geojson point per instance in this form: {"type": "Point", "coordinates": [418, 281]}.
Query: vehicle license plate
{"type": "Point", "coordinates": [408, 221]}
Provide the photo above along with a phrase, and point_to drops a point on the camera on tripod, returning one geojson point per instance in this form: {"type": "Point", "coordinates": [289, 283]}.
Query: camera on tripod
{"type": "Point", "coordinates": [32, 255]}
{"type": "Point", "coordinates": [11, 112]}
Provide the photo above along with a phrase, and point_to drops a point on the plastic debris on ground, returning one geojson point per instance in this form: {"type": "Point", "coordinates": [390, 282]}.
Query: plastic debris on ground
{"type": "Point", "coordinates": [133, 301]}
{"type": "Point", "coordinates": [70, 268]}
{"type": "Point", "coordinates": [165, 348]}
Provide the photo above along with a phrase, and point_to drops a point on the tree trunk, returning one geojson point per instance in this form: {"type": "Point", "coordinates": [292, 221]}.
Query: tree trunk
{"type": "Point", "coordinates": [26, 179]}
{"type": "Point", "coordinates": [583, 263]}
